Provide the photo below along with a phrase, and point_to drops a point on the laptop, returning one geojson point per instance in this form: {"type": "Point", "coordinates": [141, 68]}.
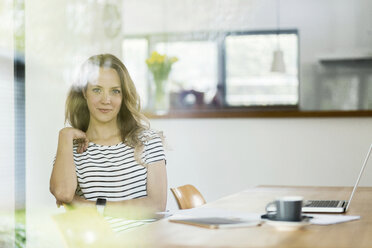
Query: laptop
{"type": "Point", "coordinates": [334, 206]}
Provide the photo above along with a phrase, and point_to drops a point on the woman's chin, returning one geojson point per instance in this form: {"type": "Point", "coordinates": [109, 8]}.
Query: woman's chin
{"type": "Point", "coordinates": [105, 119]}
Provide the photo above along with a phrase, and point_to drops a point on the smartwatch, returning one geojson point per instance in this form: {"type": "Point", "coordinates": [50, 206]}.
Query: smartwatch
{"type": "Point", "coordinates": [100, 205]}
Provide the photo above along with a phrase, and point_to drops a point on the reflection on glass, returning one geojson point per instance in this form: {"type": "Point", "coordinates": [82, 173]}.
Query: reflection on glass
{"type": "Point", "coordinates": [12, 124]}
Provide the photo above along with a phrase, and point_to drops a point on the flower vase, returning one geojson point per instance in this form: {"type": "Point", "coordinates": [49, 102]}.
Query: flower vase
{"type": "Point", "coordinates": [161, 97]}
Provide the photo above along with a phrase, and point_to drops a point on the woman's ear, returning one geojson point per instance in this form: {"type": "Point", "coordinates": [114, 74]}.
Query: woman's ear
{"type": "Point", "coordinates": [84, 93]}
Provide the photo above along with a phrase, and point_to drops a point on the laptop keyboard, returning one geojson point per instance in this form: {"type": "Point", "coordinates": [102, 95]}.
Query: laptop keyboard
{"type": "Point", "coordinates": [322, 204]}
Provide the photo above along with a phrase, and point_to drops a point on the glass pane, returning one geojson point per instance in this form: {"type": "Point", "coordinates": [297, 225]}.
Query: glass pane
{"type": "Point", "coordinates": [60, 37]}
{"type": "Point", "coordinates": [249, 79]}
{"type": "Point", "coordinates": [196, 68]}
{"type": "Point", "coordinates": [7, 151]}
{"type": "Point", "coordinates": [135, 52]}
{"type": "Point", "coordinates": [7, 168]}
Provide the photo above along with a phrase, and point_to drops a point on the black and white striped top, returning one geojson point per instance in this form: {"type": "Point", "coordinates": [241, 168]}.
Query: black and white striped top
{"type": "Point", "coordinates": [112, 172]}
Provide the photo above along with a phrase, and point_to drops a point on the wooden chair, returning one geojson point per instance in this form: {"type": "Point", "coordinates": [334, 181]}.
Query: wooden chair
{"type": "Point", "coordinates": [188, 196]}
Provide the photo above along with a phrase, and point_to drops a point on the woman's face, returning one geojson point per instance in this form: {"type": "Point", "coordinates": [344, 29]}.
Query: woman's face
{"type": "Point", "coordinates": [104, 96]}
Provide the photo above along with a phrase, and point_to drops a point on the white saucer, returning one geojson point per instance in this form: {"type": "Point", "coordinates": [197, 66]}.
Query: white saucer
{"type": "Point", "coordinates": [288, 225]}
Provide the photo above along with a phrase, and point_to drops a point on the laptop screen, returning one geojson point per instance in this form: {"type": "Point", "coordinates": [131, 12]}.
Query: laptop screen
{"type": "Point", "coordinates": [360, 175]}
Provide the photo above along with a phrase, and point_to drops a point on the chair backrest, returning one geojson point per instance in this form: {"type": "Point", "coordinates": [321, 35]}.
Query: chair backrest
{"type": "Point", "coordinates": [188, 196]}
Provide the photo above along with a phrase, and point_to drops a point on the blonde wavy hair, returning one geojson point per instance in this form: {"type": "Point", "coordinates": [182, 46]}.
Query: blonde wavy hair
{"type": "Point", "coordinates": [131, 121]}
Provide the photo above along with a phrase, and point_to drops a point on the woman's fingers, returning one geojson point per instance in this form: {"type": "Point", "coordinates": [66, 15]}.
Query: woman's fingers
{"type": "Point", "coordinates": [80, 139]}
{"type": "Point", "coordinates": [82, 143]}
{"type": "Point", "coordinates": [82, 147]}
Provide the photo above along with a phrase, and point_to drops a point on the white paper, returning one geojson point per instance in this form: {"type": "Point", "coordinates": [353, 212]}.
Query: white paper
{"type": "Point", "coordinates": [327, 219]}
{"type": "Point", "coordinates": [215, 212]}
{"type": "Point", "coordinates": [164, 214]}
{"type": "Point", "coordinates": [318, 219]}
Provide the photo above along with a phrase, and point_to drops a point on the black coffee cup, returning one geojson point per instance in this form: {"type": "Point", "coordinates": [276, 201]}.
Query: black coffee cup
{"type": "Point", "coordinates": [287, 208]}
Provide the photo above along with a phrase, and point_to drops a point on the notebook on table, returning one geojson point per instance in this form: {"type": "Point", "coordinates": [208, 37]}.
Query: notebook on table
{"type": "Point", "coordinates": [334, 206]}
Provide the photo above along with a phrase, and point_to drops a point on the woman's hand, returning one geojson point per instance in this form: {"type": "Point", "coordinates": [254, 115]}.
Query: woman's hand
{"type": "Point", "coordinates": [77, 136]}
{"type": "Point", "coordinates": [79, 202]}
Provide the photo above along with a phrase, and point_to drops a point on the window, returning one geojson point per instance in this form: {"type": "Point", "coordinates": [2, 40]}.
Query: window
{"type": "Point", "coordinates": [220, 70]}
{"type": "Point", "coordinates": [196, 68]}
{"type": "Point", "coordinates": [249, 79]}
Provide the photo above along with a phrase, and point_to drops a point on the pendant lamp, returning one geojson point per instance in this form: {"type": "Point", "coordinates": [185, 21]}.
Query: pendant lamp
{"type": "Point", "coordinates": [278, 64]}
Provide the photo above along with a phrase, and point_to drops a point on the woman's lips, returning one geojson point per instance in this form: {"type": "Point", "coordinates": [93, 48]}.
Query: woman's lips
{"type": "Point", "coordinates": [104, 110]}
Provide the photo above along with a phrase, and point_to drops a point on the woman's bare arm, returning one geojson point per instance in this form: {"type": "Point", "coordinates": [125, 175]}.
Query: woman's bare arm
{"type": "Point", "coordinates": [145, 207]}
{"type": "Point", "coordinates": [63, 181]}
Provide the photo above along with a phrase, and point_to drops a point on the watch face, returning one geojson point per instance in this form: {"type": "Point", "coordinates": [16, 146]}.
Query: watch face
{"type": "Point", "coordinates": [101, 202]}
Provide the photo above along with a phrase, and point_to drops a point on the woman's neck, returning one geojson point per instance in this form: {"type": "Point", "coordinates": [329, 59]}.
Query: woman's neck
{"type": "Point", "coordinates": [103, 133]}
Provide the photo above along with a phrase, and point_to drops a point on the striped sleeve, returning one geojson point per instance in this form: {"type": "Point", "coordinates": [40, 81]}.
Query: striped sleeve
{"type": "Point", "coordinates": [119, 225]}
{"type": "Point", "coordinates": [154, 150]}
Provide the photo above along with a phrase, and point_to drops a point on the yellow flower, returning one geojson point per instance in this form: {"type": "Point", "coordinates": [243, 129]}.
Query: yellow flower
{"type": "Point", "coordinates": [160, 65]}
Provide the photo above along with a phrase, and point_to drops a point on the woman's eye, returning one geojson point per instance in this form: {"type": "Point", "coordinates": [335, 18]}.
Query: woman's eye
{"type": "Point", "coordinates": [116, 91]}
{"type": "Point", "coordinates": [96, 90]}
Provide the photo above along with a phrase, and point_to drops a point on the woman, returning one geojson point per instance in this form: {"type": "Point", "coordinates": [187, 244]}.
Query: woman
{"type": "Point", "coordinates": [109, 156]}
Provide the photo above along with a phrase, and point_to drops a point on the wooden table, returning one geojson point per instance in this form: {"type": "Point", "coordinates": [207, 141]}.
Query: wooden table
{"type": "Point", "coordinates": [349, 234]}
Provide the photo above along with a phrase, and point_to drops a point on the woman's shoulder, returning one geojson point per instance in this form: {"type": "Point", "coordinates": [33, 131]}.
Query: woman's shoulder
{"type": "Point", "coordinates": [149, 134]}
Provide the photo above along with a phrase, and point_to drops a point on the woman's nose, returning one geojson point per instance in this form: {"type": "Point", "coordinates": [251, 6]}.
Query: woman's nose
{"type": "Point", "coordinates": [106, 98]}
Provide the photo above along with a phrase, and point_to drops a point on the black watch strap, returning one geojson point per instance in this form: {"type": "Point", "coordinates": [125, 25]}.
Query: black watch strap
{"type": "Point", "coordinates": [100, 205]}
